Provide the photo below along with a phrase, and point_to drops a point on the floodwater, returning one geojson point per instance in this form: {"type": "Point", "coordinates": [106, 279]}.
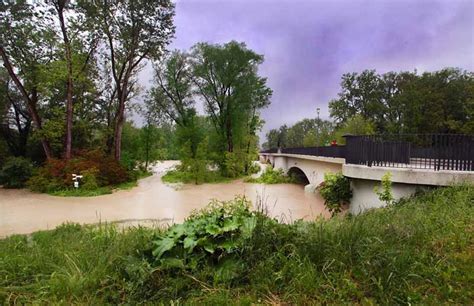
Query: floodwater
{"type": "Point", "coordinates": [153, 201]}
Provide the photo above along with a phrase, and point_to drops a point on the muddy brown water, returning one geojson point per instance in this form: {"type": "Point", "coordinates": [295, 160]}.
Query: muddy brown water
{"type": "Point", "coordinates": [152, 202]}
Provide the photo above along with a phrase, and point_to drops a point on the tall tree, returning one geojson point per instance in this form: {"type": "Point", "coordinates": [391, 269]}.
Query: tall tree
{"type": "Point", "coordinates": [227, 79]}
{"type": "Point", "coordinates": [172, 92]}
{"type": "Point", "coordinates": [134, 31]}
{"type": "Point", "coordinates": [26, 43]}
{"type": "Point", "coordinates": [15, 121]}
{"type": "Point", "coordinates": [61, 6]}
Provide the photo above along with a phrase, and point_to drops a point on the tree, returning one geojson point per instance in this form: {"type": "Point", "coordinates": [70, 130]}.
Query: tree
{"type": "Point", "coordinates": [26, 43]}
{"type": "Point", "coordinates": [227, 80]}
{"type": "Point", "coordinates": [357, 125]}
{"type": "Point", "coordinates": [406, 102]}
{"type": "Point", "coordinates": [172, 93]}
{"type": "Point", "coordinates": [171, 97]}
{"type": "Point", "coordinates": [134, 31]}
{"type": "Point", "coordinates": [15, 121]}
{"type": "Point", "coordinates": [61, 6]}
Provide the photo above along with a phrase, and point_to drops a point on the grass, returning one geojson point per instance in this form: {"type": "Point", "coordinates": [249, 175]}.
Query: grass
{"type": "Point", "coordinates": [177, 176]}
{"type": "Point", "coordinates": [73, 192]}
{"type": "Point", "coordinates": [419, 251]}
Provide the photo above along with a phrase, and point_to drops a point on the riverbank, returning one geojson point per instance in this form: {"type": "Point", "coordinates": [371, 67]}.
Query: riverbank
{"type": "Point", "coordinates": [152, 201]}
{"type": "Point", "coordinates": [417, 252]}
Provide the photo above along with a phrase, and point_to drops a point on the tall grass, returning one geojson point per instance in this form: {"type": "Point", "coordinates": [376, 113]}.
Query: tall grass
{"type": "Point", "coordinates": [419, 251]}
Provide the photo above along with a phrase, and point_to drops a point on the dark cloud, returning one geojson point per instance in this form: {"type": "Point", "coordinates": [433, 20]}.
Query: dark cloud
{"type": "Point", "coordinates": [308, 45]}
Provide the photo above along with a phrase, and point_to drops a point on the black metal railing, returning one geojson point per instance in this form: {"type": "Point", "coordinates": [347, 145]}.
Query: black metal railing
{"type": "Point", "coordinates": [419, 151]}
{"type": "Point", "coordinates": [329, 151]}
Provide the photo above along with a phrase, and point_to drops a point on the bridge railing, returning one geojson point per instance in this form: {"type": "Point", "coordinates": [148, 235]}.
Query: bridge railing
{"type": "Point", "coordinates": [419, 151]}
{"type": "Point", "coordinates": [330, 151]}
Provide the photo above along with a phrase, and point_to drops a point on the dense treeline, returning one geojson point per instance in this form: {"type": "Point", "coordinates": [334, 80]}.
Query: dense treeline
{"type": "Point", "coordinates": [70, 71]}
{"type": "Point", "coordinates": [69, 78]}
{"type": "Point", "coordinates": [404, 102]}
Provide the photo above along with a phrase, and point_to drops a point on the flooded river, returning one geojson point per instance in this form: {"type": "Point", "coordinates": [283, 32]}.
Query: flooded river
{"type": "Point", "coordinates": [152, 201]}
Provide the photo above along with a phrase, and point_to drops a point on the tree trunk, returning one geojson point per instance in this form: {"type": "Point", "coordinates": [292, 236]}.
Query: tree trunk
{"type": "Point", "coordinates": [31, 102]}
{"type": "Point", "coordinates": [119, 121]}
{"type": "Point", "coordinates": [69, 90]}
{"type": "Point", "coordinates": [230, 143]}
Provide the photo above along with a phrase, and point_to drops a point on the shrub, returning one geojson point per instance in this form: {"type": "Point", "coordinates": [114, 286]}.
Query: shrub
{"type": "Point", "coordinates": [98, 168]}
{"type": "Point", "coordinates": [253, 168]}
{"type": "Point", "coordinates": [234, 164]}
{"type": "Point", "coordinates": [89, 179]}
{"type": "Point", "coordinates": [215, 233]}
{"type": "Point", "coordinates": [15, 172]}
{"type": "Point", "coordinates": [40, 183]}
{"type": "Point", "coordinates": [384, 191]}
{"type": "Point", "coordinates": [336, 191]}
{"type": "Point", "coordinates": [272, 176]}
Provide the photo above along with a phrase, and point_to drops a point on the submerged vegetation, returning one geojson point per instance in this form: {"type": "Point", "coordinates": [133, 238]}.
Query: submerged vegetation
{"type": "Point", "coordinates": [272, 176]}
{"type": "Point", "coordinates": [417, 251]}
{"type": "Point", "coordinates": [179, 176]}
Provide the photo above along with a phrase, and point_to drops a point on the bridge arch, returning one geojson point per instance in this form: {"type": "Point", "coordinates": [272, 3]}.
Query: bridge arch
{"type": "Point", "coordinates": [299, 175]}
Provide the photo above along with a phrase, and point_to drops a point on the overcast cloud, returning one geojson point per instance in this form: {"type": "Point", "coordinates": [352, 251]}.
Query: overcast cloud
{"type": "Point", "coordinates": [308, 45]}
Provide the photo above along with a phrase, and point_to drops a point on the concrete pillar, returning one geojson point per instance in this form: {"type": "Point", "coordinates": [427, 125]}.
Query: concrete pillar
{"type": "Point", "coordinates": [364, 196]}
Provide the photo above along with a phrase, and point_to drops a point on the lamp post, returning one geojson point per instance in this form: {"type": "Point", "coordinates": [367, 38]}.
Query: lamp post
{"type": "Point", "coordinates": [317, 123]}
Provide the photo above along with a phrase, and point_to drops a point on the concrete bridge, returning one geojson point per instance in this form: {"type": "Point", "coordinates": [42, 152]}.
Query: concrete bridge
{"type": "Point", "coordinates": [411, 169]}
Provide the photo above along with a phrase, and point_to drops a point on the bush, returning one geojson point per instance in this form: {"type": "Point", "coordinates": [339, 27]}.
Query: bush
{"type": "Point", "coordinates": [98, 169]}
{"type": "Point", "coordinates": [234, 164]}
{"type": "Point", "coordinates": [272, 176]}
{"type": "Point", "coordinates": [89, 179]}
{"type": "Point", "coordinates": [384, 191]}
{"type": "Point", "coordinates": [40, 183]}
{"type": "Point", "coordinates": [218, 232]}
{"type": "Point", "coordinates": [15, 172]}
{"type": "Point", "coordinates": [336, 191]}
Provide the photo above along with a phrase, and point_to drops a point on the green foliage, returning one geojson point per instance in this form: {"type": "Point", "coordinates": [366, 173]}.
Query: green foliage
{"type": "Point", "coordinates": [217, 233]}
{"type": "Point", "coordinates": [79, 192]}
{"type": "Point", "coordinates": [234, 164]}
{"type": "Point", "coordinates": [348, 260]}
{"type": "Point", "coordinates": [384, 191]}
{"type": "Point", "coordinates": [408, 102]}
{"type": "Point", "coordinates": [209, 176]}
{"type": "Point", "coordinates": [336, 191]}
{"type": "Point", "coordinates": [272, 176]}
{"type": "Point", "coordinates": [356, 125]}
{"type": "Point", "coordinates": [15, 172]}
{"type": "Point", "coordinates": [195, 165]}
{"type": "Point", "coordinates": [98, 170]}
{"type": "Point", "coordinates": [89, 179]}
{"type": "Point", "coordinates": [304, 133]}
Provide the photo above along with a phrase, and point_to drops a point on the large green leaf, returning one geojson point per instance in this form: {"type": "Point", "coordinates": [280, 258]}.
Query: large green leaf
{"type": "Point", "coordinates": [162, 246]}
{"type": "Point", "coordinates": [213, 229]}
{"type": "Point", "coordinates": [230, 224]}
{"type": "Point", "coordinates": [189, 243]}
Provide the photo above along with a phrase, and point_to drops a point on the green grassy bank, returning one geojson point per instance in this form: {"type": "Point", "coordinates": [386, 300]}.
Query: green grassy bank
{"type": "Point", "coordinates": [419, 251]}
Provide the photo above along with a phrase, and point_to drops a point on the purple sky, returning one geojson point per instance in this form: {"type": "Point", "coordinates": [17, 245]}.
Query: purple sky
{"type": "Point", "coordinates": [308, 45]}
